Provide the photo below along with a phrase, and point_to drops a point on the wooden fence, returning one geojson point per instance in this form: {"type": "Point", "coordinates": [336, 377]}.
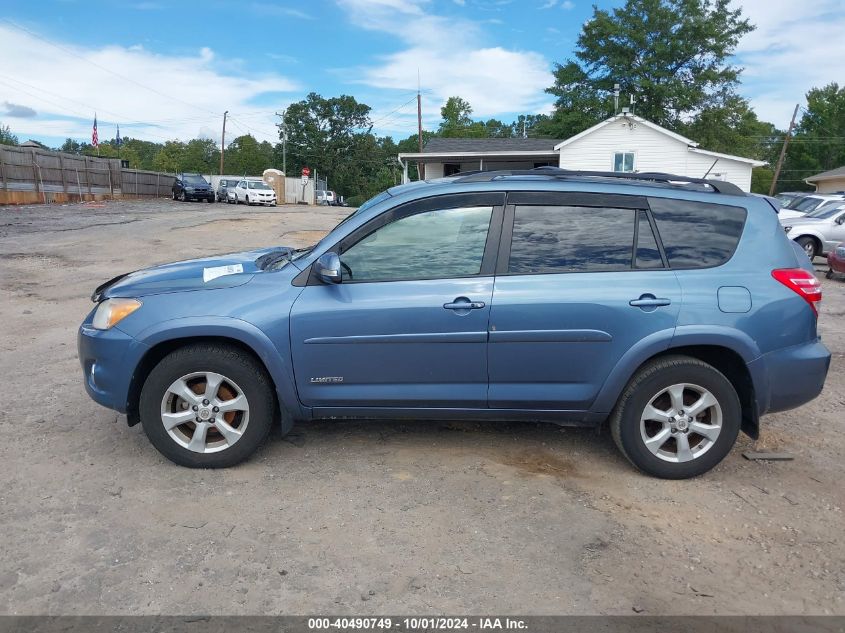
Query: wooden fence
{"type": "Point", "coordinates": [32, 175]}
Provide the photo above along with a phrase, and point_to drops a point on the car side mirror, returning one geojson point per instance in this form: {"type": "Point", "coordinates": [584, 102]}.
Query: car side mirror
{"type": "Point", "coordinates": [327, 268]}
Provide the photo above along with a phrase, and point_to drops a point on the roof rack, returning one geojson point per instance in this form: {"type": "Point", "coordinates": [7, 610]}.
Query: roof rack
{"type": "Point", "coordinates": [701, 184]}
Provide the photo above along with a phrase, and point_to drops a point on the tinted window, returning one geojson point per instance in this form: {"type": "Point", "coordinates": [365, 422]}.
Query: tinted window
{"type": "Point", "coordinates": [429, 245]}
{"type": "Point", "coordinates": [697, 234]}
{"type": "Point", "coordinates": [648, 255]}
{"type": "Point", "coordinates": [552, 239]}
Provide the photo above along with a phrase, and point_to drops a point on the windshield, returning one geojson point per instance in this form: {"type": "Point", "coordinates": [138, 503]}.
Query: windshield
{"type": "Point", "coordinates": [257, 185]}
{"type": "Point", "coordinates": [194, 180]}
{"type": "Point", "coordinates": [827, 211]}
{"type": "Point", "coordinates": [804, 204]}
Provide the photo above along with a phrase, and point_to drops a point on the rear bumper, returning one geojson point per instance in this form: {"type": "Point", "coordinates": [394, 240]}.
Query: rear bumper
{"type": "Point", "coordinates": [108, 359]}
{"type": "Point", "coordinates": [836, 263]}
{"type": "Point", "coordinates": [789, 377]}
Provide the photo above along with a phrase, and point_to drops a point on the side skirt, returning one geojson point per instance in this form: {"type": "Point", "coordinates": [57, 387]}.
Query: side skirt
{"type": "Point", "coordinates": [563, 418]}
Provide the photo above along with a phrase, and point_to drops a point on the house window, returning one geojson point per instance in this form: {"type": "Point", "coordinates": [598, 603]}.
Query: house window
{"type": "Point", "coordinates": [623, 161]}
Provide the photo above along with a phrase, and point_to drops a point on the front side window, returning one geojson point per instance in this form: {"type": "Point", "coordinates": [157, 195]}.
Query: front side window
{"type": "Point", "coordinates": [623, 161]}
{"type": "Point", "coordinates": [429, 245]}
{"type": "Point", "coordinates": [697, 234]}
{"type": "Point", "coordinates": [564, 239]}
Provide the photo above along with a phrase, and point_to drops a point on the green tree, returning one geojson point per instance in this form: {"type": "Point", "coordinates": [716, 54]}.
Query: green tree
{"type": "Point", "coordinates": [672, 55]}
{"type": "Point", "coordinates": [819, 141]}
{"type": "Point", "coordinates": [6, 136]}
{"type": "Point", "coordinates": [246, 156]}
{"type": "Point", "coordinates": [169, 157]}
{"type": "Point", "coordinates": [327, 135]}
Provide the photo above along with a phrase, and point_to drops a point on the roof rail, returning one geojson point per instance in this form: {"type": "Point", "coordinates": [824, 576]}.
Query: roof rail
{"type": "Point", "coordinates": [703, 184]}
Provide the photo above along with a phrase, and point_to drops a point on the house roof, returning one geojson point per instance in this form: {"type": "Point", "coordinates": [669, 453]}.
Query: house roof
{"type": "Point", "coordinates": [627, 117]}
{"type": "Point", "coordinates": [839, 172]}
{"type": "Point", "coordinates": [739, 159]}
{"type": "Point", "coordinates": [473, 145]}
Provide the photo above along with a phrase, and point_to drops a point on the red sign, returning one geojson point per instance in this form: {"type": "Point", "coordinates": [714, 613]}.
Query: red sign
{"type": "Point", "coordinates": [306, 171]}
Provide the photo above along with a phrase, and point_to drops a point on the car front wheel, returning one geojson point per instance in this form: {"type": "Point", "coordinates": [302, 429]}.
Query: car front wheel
{"type": "Point", "coordinates": [207, 406]}
{"type": "Point", "coordinates": [677, 418]}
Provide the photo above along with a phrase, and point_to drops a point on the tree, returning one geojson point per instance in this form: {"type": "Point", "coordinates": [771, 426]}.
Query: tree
{"type": "Point", "coordinates": [6, 136]}
{"type": "Point", "coordinates": [246, 156]}
{"type": "Point", "coordinates": [672, 55]}
{"type": "Point", "coordinates": [170, 157]}
{"type": "Point", "coordinates": [819, 141]}
{"type": "Point", "coordinates": [327, 134]}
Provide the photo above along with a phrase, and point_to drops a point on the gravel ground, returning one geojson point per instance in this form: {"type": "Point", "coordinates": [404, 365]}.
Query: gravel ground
{"type": "Point", "coordinates": [370, 517]}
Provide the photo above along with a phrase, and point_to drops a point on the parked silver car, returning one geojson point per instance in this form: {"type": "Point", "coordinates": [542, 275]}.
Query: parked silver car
{"type": "Point", "coordinates": [819, 231]}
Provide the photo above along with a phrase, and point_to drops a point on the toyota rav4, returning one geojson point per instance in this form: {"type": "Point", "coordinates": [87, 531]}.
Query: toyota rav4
{"type": "Point", "coordinates": [673, 310]}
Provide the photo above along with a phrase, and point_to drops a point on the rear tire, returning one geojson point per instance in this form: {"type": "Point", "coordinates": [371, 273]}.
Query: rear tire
{"type": "Point", "coordinates": [829, 274]}
{"type": "Point", "coordinates": [243, 379]}
{"type": "Point", "coordinates": [668, 446]}
{"type": "Point", "coordinates": [809, 245]}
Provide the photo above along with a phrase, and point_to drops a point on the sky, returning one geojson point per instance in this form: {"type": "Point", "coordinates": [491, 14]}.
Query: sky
{"type": "Point", "coordinates": [168, 70]}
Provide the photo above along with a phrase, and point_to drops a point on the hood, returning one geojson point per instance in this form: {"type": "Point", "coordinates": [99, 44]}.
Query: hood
{"type": "Point", "coordinates": [804, 220]}
{"type": "Point", "coordinates": [209, 273]}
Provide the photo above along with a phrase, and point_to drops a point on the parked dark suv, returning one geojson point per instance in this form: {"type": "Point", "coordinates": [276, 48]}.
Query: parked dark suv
{"type": "Point", "coordinates": [192, 187]}
{"type": "Point", "coordinates": [674, 310]}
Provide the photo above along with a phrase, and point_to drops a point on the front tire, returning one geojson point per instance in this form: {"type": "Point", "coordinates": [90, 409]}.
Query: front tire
{"type": "Point", "coordinates": [207, 406]}
{"type": "Point", "coordinates": [677, 418]}
{"type": "Point", "coordinates": [809, 245]}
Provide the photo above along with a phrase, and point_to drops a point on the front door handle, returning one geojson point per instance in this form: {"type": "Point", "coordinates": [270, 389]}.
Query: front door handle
{"type": "Point", "coordinates": [649, 301]}
{"type": "Point", "coordinates": [462, 303]}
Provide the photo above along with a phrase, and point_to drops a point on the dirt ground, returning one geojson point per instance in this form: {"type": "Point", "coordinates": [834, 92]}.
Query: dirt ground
{"type": "Point", "coordinates": [370, 517]}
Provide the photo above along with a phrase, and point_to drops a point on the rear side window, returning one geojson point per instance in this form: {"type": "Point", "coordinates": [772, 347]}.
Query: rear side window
{"type": "Point", "coordinates": [648, 255]}
{"type": "Point", "coordinates": [697, 234]}
{"type": "Point", "coordinates": [561, 239]}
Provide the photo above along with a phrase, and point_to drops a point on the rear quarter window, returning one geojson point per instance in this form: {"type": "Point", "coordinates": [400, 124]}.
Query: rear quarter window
{"type": "Point", "coordinates": [697, 234]}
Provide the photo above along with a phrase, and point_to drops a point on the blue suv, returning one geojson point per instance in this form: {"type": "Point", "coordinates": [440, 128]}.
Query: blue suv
{"type": "Point", "coordinates": [675, 310]}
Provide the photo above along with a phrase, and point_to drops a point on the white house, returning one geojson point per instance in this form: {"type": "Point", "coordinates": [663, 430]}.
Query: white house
{"type": "Point", "coordinates": [623, 143]}
{"type": "Point", "coordinates": [629, 143]}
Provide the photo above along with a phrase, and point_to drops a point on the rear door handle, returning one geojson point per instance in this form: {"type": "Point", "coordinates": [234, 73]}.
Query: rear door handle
{"type": "Point", "coordinates": [649, 301]}
{"type": "Point", "coordinates": [462, 303]}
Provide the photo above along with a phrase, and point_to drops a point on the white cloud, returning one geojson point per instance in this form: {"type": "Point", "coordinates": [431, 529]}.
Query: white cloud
{"type": "Point", "coordinates": [453, 59]}
{"type": "Point", "coordinates": [792, 50]}
{"type": "Point", "coordinates": [150, 95]}
{"type": "Point", "coordinates": [549, 4]}
{"type": "Point", "coordinates": [567, 5]}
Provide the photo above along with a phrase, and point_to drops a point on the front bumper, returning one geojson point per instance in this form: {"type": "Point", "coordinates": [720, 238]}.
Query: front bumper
{"type": "Point", "coordinates": [108, 359]}
{"type": "Point", "coordinates": [789, 377]}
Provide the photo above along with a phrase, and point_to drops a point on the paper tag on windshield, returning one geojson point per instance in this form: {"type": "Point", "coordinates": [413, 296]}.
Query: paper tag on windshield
{"type": "Point", "coordinates": [220, 271]}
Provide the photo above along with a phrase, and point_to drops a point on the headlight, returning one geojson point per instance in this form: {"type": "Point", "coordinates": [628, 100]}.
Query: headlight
{"type": "Point", "coordinates": [112, 311]}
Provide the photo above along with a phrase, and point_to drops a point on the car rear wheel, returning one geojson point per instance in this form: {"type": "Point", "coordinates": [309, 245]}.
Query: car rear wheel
{"type": "Point", "coordinates": [182, 196]}
{"type": "Point", "coordinates": [173, 194]}
{"type": "Point", "coordinates": [809, 245]}
{"type": "Point", "coordinates": [677, 418]}
{"type": "Point", "coordinates": [207, 406]}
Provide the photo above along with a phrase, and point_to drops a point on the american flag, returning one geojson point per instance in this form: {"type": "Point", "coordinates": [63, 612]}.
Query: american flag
{"type": "Point", "coordinates": [95, 140]}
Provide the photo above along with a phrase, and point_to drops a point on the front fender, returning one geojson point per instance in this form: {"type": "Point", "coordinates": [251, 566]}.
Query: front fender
{"type": "Point", "coordinates": [277, 362]}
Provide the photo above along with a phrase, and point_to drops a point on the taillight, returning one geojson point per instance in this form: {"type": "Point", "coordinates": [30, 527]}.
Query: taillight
{"type": "Point", "coordinates": [803, 282]}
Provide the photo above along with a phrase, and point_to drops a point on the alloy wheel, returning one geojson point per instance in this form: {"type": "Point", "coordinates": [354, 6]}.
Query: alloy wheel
{"type": "Point", "coordinates": [205, 412]}
{"type": "Point", "coordinates": [681, 422]}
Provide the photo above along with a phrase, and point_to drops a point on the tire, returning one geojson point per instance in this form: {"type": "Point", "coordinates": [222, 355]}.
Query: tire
{"type": "Point", "coordinates": [829, 274]}
{"type": "Point", "coordinates": [247, 201]}
{"type": "Point", "coordinates": [236, 199]}
{"type": "Point", "coordinates": [809, 245]}
{"type": "Point", "coordinates": [240, 375]}
{"type": "Point", "coordinates": [650, 386]}
{"type": "Point", "coordinates": [182, 196]}
{"type": "Point", "coordinates": [209, 200]}
{"type": "Point", "coordinates": [173, 194]}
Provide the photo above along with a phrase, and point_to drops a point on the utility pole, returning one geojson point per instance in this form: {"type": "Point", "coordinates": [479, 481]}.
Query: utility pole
{"type": "Point", "coordinates": [420, 164]}
{"type": "Point", "coordinates": [223, 142]}
{"type": "Point", "coordinates": [283, 126]}
{"type": "Point", "coordinates": [783, 151]}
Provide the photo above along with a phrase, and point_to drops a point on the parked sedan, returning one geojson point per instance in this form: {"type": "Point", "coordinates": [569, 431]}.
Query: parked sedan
{"type": "Point", "coordinates": [836, 261]}
{"type": "Point", "coordinates": [252, 192]}
{"type": "Point", "coordinates": [818, 232]}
